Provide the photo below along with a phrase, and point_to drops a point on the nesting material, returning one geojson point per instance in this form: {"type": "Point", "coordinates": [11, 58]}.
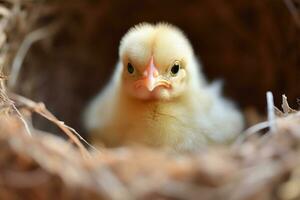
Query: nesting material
{"type": "Point", "coordinates": [259, 167]}
{"type": "Point", "coordinates": [34, 164]}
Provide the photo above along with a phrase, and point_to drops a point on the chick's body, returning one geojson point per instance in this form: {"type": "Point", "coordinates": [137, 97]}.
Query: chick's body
{"type": "Point", "coordinates": [167, 103]}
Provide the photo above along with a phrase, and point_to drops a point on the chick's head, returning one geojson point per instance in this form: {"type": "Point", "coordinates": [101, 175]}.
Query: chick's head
{"type": "Point", "coordinates": [155, 60]}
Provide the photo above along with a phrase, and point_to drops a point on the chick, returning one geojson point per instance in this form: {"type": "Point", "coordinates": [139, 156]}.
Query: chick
{"type": "Point", "coordinates": [158, 96]}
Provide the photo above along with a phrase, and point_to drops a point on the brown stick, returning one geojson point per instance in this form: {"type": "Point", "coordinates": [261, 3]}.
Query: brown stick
{"type": "Point", "coordinates": [41, 109]}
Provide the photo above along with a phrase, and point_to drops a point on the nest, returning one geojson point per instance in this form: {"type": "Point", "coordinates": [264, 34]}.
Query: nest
{"type": "Point", "coordinates": [263, 163]}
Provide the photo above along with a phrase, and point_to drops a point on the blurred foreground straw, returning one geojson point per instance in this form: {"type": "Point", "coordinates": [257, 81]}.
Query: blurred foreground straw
{"type": "Point", "coordinates": [44, 166]}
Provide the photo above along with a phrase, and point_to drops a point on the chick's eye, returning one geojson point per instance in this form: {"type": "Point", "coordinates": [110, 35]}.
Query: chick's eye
{"type": "Point", "coordinates": [175, 68]}
{"type": "Point", "coordinates": [130, 68]}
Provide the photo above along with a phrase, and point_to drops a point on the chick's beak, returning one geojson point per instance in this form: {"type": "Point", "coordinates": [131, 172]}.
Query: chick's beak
{"type": "Point", "coordinates": [150, 77]}
{"type": "Point", "coordinates": [150, 74]}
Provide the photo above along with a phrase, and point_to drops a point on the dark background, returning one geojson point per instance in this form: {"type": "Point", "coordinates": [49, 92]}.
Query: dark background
{"type": "Point", "coordinates": [252, 44]}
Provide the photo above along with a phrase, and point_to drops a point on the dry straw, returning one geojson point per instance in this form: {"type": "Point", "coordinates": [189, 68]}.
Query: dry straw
{"type": "Point", "coordinates": [262, 164]}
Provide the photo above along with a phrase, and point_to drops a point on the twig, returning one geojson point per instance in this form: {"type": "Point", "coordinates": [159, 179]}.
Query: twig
{"type": "Point", "coordinates": [271, 123]}
{"type": "Point", "coordinates": [42, 110]}
{"type": "Point", "coordinates": [271, 112]}
{"type": "Point", "coordinates": [11, 104]}
{"type": "Point", "coordinates": [31, 38]}
{"type": "Point", "coordinates": [293, 10]}
{"type": "Point", "coordinates": [285, 106]}
{"type": "Point", "coordinates": [80, 137]}
{"type": "Point", "coordinates": [22, 119]}
{"type": "Point", "coordinates": [250, 131]}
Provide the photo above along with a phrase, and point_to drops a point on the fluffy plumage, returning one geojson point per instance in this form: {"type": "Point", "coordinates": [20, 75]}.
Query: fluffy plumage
{"type": "Point", "coordinates": [159, 96]}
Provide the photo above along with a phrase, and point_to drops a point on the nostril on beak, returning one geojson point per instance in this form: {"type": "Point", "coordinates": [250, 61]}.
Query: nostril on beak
{"type": "Point", "coordinates": [155, 73]}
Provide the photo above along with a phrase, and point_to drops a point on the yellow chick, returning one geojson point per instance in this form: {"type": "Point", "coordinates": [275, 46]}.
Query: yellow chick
{"type": "Point", "coordinates": [158, 96]}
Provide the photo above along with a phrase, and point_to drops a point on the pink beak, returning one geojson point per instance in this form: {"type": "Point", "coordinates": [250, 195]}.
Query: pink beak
{"type": "Point", "coordinates": [149, 76]}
